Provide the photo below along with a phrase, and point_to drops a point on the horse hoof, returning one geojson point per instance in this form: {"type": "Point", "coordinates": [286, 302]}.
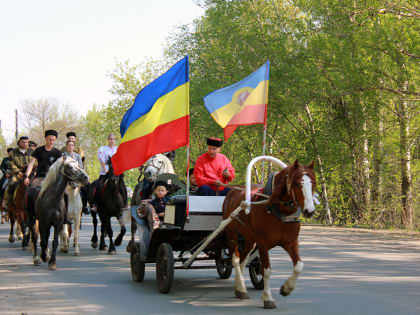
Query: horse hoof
{"type": "Point", "coordinates": [269, 305]}
{"type": "Point", "coordinates": [11, 239]}
{"type": "Point", "coordinates": [52, 266]}
{"type": "Point", "coordinates": [103, 247]}
{"type": "Point", "coordinates": [76, 254]}
{"type": "Point", "coordinates": [241, 295]}
{"type": "Point", "coordinates": [94, 245]}
{"type": "Point", "coordinates": [37, 261]}
{"type": "Point", "coordinates": [112, 252]}
{"type": "Point", "coordinates": [65, 250]}
{"type": "Point", "coordinates": [19, 238]}
{"type": "Point", "coordinates": [283, 291]}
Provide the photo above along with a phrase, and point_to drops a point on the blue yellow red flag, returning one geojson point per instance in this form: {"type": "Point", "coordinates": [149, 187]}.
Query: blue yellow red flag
{"type": "Point", "coordinates": [158, 121]}
{"type": "Point", "coordinates": [243, 103]}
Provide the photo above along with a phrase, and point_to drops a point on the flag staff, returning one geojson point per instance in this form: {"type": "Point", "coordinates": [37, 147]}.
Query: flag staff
{"type": "Point", "coordinates": [188, 177]}
{"type": "Point", "coordinates": [265, 124]}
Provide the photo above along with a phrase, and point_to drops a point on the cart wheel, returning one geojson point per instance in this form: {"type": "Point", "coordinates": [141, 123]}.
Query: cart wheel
{"type": "Point", "coordinates": [137, 267]}
{"type": "Point", "coordinates": [223, 266]}
{"type": "Point", "coordinates": [254, 269]}
{"type": "Point", "coordinates": [164, 267]}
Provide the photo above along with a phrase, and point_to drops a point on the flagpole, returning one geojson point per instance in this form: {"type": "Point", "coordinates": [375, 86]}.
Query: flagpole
{"type": "Point", "coordinates": [263, 153]}
{"type": "Point", "coordinates": [188, 178]}
{"type": "Point", "coordinates": [265, 124]}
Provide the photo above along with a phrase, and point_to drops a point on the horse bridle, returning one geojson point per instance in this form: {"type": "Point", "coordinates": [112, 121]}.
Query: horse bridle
{"type": "Point", "coordinates": [69, 177]}
{"type": "Point", "coordinates": [152, 165]}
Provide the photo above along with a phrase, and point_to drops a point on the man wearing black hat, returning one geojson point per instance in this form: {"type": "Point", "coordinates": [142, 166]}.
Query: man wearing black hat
{"type": "Point", "coordinates": [213, 170]}
{"type": "Point", "coordinates": [19, 160]}
{"type": "Point", "coordinates": [43, 157]}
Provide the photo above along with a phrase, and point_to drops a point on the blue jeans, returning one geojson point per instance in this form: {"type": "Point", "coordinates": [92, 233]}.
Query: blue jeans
{"type": "Point", "coordinates": [205, 190]}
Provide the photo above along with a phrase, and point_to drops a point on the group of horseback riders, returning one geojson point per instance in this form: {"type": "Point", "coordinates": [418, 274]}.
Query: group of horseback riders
{"type": "Point", "coordinates": [210, 176]}
{"type": "Point", "coordinates": [27, 161]}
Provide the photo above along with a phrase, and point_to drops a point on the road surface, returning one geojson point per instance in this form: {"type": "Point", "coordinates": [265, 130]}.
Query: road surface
{"type": "Point", "coordinates": [347, 271]}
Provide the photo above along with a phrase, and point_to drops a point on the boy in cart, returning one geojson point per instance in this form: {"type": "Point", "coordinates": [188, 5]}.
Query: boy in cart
{"type": "Point", "coordinates": [154, 210]}
{"type": "Point", "coordinates": [159, 203]}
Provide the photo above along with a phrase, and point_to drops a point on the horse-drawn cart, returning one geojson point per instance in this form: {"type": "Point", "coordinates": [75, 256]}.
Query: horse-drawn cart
{"type": "Point", "coordinates": [199, 231]}
{"type": "Point", "coordinates": [184, 233]}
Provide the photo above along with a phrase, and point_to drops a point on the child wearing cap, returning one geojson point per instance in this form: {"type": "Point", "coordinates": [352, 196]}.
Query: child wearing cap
{"type": "Point", "coordinates": [159, 203]}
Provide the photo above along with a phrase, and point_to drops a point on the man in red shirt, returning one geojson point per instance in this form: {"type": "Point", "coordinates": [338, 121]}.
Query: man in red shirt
{"type": "Point", "coordinates": [213, 169]}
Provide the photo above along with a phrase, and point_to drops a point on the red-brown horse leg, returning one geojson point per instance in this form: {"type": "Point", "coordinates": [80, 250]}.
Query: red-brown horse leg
{"type": "Point", "coordinates": [266, 270]}
{"type": "Point", "coordinates": [293, 250]}
{"type": "Point", "coordinates": [248, 247]}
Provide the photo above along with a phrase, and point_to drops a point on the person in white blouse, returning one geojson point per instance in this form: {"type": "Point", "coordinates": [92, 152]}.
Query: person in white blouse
{"type": "Point", "coordinates": [105, 153]}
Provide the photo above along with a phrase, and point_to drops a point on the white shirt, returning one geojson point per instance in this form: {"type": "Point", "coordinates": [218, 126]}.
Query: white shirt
{"type": "Point", "coordinates": [104, 154]}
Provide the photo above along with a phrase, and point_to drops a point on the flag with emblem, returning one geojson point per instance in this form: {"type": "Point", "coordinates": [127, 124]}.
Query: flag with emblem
{"type": "Point", "coordinates": [243, 103]}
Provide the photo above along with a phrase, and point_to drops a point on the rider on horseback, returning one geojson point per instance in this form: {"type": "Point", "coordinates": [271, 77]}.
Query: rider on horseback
{"type": "Point", "coordinates": [4, 181]}
{"type": "Point", "coordinates": [104, 156]}
{"type": "Point", "coordinates": [71, 136]}
{"type": "Point", "coordinates": [19, 160]}
{"type": "Point", "coordinates": [43, 157]}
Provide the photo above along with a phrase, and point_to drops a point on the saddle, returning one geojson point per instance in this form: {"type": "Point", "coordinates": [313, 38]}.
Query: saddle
{"type": "Point", "coordinates": [285, 218]}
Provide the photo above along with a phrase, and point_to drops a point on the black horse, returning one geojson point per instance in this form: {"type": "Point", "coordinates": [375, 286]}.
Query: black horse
{"type": "Point", "coordinates": [50, 205]}
{"type": "Point", "coordinates": [109, 194]}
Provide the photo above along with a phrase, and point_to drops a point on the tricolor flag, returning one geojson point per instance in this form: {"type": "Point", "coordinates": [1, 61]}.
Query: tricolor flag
{"type": "Point", "coordinates": [243, 103]}
{"type": "Point", "coordinates": [157, 122]}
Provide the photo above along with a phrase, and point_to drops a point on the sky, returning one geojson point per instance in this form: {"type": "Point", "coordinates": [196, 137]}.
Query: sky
{"type": "Point", "coordinates": [64, 49]}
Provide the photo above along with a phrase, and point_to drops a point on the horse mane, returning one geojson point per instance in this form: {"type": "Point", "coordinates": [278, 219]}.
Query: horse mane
{"type": "Point", "coordinates": [53, 172]}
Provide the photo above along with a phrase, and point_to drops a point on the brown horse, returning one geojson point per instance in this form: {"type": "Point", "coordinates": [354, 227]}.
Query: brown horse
{"type": "Point", "coordinates": [17, 213]}
{"type": "Point", "coordinates": [270, 224]}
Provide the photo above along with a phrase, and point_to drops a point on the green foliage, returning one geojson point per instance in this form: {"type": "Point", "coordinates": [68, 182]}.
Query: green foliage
{"type": "Point", "coordinates": [350, 64]}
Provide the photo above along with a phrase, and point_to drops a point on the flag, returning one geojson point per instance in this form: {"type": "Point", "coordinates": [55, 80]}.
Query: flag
{"type": "Point", "coordinates": [243, 103]}
{"type": "Point", "coordinates": [157, 122]}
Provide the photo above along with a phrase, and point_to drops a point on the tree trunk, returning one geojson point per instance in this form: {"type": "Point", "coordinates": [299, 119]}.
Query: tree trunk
{"type": "Point", "coordinates": [405, 162]}
{"type": "Point", "coordinates": [324, 193]}
{"type": "Point", "coordinates": [377, 147]}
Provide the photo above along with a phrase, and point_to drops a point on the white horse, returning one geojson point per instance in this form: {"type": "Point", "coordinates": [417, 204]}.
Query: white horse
{"type": "Point", "coordinates": [74, 213]}
{"type": "Point", "coordinates": [156, 165]}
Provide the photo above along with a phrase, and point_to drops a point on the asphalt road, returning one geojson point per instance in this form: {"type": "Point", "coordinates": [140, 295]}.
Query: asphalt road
{"type": "Point", "coordinates": [346, 271]}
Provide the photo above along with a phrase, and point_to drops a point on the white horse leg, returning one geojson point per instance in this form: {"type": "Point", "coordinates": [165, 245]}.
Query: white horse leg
{"type": "Point", "coordinates": [266, 296]}
{"type": "Point", "coordinates": [76, 234]}
{"type": "Point", "coordinates": [19, 233]}
{"type": "Point", "coordinates": [240, 289]}
{"type": "Point", "coordinates": [64, 239]}
{"type": "Point", "coordinates": [290, 283]}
